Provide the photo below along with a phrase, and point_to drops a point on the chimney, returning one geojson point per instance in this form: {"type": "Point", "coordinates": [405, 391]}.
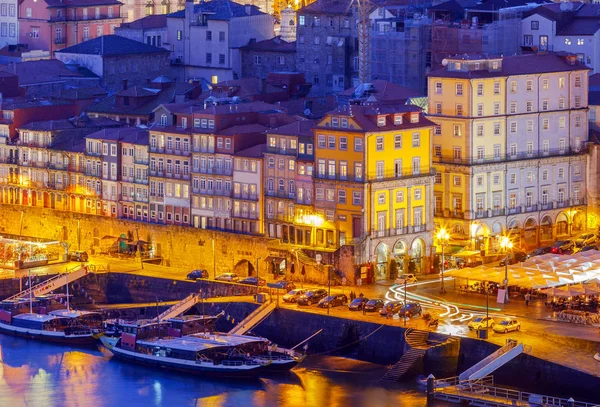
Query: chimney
{"type": "Point", "coordinates": [248, 9]}
{"type": "Point", "coordinates": [124, 84]}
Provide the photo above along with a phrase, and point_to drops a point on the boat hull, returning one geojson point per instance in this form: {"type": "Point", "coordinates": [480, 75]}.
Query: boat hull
{"type": "Point", "coordinates": [189, 367]}
{"type": "Point", "coordinates": [48, 336]}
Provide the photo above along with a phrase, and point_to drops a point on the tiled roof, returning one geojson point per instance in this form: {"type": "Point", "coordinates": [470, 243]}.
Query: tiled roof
{"type": "Point", "coordinates": [252, 152]}
{"type": "Point", "coordinates": [299, 128]}
{"type": "Point", "coordinates": [452, 5]}
{"type": "Point", "coordinates": [366, 117]}
{"type": "Point", "coordinates": [82, 93]}
{"type": "Point", "coordinates": [518, 65]}
{"type": "Point", "coordinates": [336, 7]}
{"type": "Point", "coordinates": [82, 121]}
{"type": "Point", "coordinates": [24, 103]}
{"type": "Point", "coordinates": [153, 21]}
{"type": "Point", "coordinates": [48, 70]}
{"type": "Point", "coordinates": [220, 10]}
{"type": "Point", "coordinates": [239, 108]}
{"type": "Point", "coordinates": [581, 26]}
{"type": "Point", "coordinates": [587, 10]}
{"type": "Point", "coordinates": [385, 90]}
{"type": "Point", "coordinates": [112, 45]}
{"type": "Point", "coordinates": [125, 134]}
{"type": "Point", "coordinates": [275, 44]}
{"type": "Point", "coordinates": [244, 128]}
{"type": "Point", "coordinates": [136, 91]}
{"type": "Point", "coordinates": [493, 5]}
{"type": "Point", "coordinates": [244, 87]}
{"type": "Point", "coordinates": [165, 96]}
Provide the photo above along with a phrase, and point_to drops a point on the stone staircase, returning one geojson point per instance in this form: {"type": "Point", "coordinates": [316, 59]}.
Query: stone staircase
{"type": "Point", "coordinates": [416, 346]}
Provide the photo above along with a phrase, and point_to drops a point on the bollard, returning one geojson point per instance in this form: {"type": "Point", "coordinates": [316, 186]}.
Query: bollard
{"type": "Point", "coordinates": [430, 387]}
{"type": "Point", "coordinates": [571, 402]}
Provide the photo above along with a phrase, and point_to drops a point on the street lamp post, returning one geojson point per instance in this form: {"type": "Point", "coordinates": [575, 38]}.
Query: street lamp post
{"type": "Point", "coordinates": [443, 238]}
{"type": "Point", "coordinates": [257, 265]}
{"type": "Point", "coordinates": [405, 307]}
{"type": "Point", "coordinates": [329, 284]}
{"type": "Point", "coordinates": [213, 256]}
{"type": "Point", "coordinates": [506, 244]}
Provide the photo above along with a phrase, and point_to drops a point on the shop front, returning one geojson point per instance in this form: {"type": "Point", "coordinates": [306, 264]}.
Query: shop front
{"type": "Point", "coordinates": [21, 252]}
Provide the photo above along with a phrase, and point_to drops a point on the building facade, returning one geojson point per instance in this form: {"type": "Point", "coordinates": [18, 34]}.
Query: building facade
{"type": "Point", "coordinates": [272, 55]}
{"type": "Point", "coordinates": [52, 25]}
{"type": "Point", "coordinates": [509, 148]}
{"type": "Point", "coordinates": [8, 23]}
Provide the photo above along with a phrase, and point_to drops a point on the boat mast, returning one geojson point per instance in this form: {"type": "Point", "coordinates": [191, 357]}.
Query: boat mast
{"type": "Point", "coordinates": [67, 280]}
{"type": "Point", "coordinates": [30, 292]}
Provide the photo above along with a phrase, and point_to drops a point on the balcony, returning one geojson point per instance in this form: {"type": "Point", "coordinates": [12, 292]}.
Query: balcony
{"type": "Point", "coordinates": [140, 181]}
{"type": "Point", "coordinates": [282, 151]}
{"type": "Point", "coordinates": [140, 160]}
{"type": "Point", "coordinates": [303, 201]}
{"type": "Point", "coordinates": [337, 177]}
{"type": "Point", "coordinates": [247, 197]}
{"type": "Point", "coordinates": [504, 157]}
{"type": "Point", "coordinates": [398, 231]}
{"type": "Point", "coordinates": [392, 176]}
{"type": "Point", "coordinates": [59, 41]}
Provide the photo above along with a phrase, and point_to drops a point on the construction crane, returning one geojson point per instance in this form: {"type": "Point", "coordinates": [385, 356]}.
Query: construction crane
{"type": "Point", "coordinates": [363, 9]}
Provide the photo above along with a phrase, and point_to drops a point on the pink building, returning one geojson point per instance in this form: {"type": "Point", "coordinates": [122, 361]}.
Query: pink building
{"type": "Point", "coordinates": [51, 25]}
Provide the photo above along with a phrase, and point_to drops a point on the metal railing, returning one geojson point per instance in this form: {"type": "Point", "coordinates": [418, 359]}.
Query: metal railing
{"type": "Point", "coordinates": [508, 157]}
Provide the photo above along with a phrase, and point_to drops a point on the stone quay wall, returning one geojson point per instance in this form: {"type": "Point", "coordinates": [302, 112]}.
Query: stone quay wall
{"type": "Point", "coordinates": [178, 246]}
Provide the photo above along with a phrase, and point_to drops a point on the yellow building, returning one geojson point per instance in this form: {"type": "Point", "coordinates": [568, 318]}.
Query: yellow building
{"type": "Point", "coordinates": [374, 180]}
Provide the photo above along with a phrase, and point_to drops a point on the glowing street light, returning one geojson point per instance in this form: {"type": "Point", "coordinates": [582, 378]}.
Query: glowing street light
{"type": "Point", "coordinates": [443, 238]}
{"type": "Point", "coordinates": [506, 245]}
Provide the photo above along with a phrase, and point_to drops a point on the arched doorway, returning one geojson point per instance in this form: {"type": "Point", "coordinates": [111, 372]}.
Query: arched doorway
{"type": "Point", "coordinates": [417, 253]}
{"type": "Point", "coordinates": [400, 256]}
{"type": "Point", "coordinates": [530, 232]}
{"type": "Point", "coordinates": [481, 237]}
{"type": "Point", "coordinates": [514, 232]}
{"type": "Point", "coordinates": [244, 268]}
{"type": "Point", "coordinates": [546, 228]}
{"type": "Point", "coordinates": [562, 224]}
{"type": "Point", "coordinates": [578, 224]}
{"type": "Point", "coordinates": [382, 255]}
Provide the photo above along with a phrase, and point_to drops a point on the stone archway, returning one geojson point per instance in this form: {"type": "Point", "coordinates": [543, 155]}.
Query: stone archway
{"type": "Point", "coordinates": [578, 223]}
{"type": "Point", "coordinates": [546, 229]}
{"type": "Point", "coordinates": [244, 268]}
{"type": "Point", "coordinates": [382, 258]}
{"type": "Point", "coordinates": [400, 256]}
{"type": "Point", "coordinates": [562, 224]}
{"type": "Point", "coordinates": [530, 232]}
{"type": "Point", "coordinates": [417, 255]}
{"type": "Point", "coordinates": [481, 237]}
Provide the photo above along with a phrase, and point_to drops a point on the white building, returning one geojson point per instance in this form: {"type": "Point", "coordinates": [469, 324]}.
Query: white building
{"type": "Point", "coordinates": [205, 38]}
{"type": "Point", "coordinates": [509, 150]}
{"type": "Point", "coordinates": [572, 27]}
{"type": "Point", "coordinates": [9, 34]}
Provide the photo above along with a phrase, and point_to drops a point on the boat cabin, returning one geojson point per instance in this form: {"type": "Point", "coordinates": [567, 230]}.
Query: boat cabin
{"type": "Point", "coordinates": [191, 324]}
{"type": "Point", "coordinates": [84, 318]}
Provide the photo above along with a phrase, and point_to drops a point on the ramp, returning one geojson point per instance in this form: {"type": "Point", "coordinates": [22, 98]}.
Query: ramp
{"type": "Point", "coordinates": [53, 283]}
{"type": "Point", "coordinates": [179, 308]}
{"type": "Point", "coordinates": [255, 318]}
{"type": "Point", "coordinates": [502, 356]}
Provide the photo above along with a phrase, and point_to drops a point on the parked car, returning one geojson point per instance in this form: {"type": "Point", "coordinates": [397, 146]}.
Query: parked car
{"type": "Point", "coordinates": [195, 274]}
{"type": "Point", "coordinates": [374, 305]}
{"type": "Point", "coordinates": [586, 239]}
{"type": "Point", "coordinates": [563, 247]}
{"type": "Point", "coordinates": [410, 309]}
{"type": "Point", "coordinates": [253, 281]}
{"type": "Point", "coordinates": [541, 250]}
{"type": "Point", "coordinates": [293, 295]}
{"type": "Point", "coordinates": [232, 277]}
{"type": "Point", "coordinates": [333, 301]}
{"type": "Point", "coordinates": [468, 259]}
{"type": "Point", "coordinates": [78, 256]}
{"type": "Point", "coordinates": [406, 278]}
{"type": "Point", "coordinates": [391, 307]}
{"type": "Point", "coordinates": [589, 247]}
{"type": "Point", "coordinates": [507, 325]}
{"type": "Point", "coordinates": [282, 284]}
{"type": "Point", "coordinates": [312, 297]}
{"type": "Point", "coordinates": [514, 258]}
{"type": "Point", "coordinates": [481, 323]}
{"type": "Point", "coordinates": [358, 303]}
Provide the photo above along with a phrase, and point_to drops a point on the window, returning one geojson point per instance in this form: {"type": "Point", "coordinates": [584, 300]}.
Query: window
{"type": "Point", "coordinates": [513, 149]}
{"type": "Point", "coordinates": [529, 148]}
{"type": "Point", "coordinates": [356, 198]}
{"type": "Point", "coordinates": [480, 109]}
{"type": "Point", "coordinates": [437, 150]}
{"type": "Point", "coordinates": [480, 130]}
{"type": "Point", "coordinates": [480, 153]}
{"type": "Point", "coordinates": [381, 121]}
{"type": "Point", "coordinates": [561, 103]}
{"type": "Point", "coordinates": [513, 107]}
{"type": "Point", "coordinates": [545, 84]}
{"type": "Point", "coordinates": [561, 145]}
{"type": "Point", "coordinates": [479, 181]}
{"type": "Point", "coordinates": [561, 173]}
{"type": "Point", "coordinates": [496, 108]}
{"type": "Point", "coordinates": [416, 165]}
{"type": "Point", "coordinates": [513, 87]}
{"type": "Point", "coordinates": [459, 89]}
{"type": "Point", "coordinates": [457, 130]}
{"type": "Point", "coordinates": [529, 125]}
{"type": "Point", "coordinates": [343, 143]}
{"type": "Point", "coordinates": [438, 88]}
{"type": "Point", "coordinates": [221, 36]}
{"type": "Point", "coordinates": [496, 151]}
{"type": "Point", "coordinates": [379, 169]}
{"type": "Point", "coordinates": [379, 144]}
{"type": "Point", "coordinates": [513, 127]}
{"type": "Point", "coordinates": [179, 35]}
{"type": "Point", "coordinates": [456, 181]}
{"type": "Point", "coordinates": [416, 140]}
{"type": "Point", "coordinates": [457, 153]}
{"type": "Point", "coordinates": [561, 82]}
{"type": "Point", "coordinates": [496, 88]}
{"type": "Point", "coordinates": [546, 146]}
{"type": "Point", "coordinates": [480, 89]}
{"type": "Point", "coordinates": [437, 130]}
{"type": "Point", "coordinates": [417, 197]}
{"type": "Point", "coordinates": [513, 178]}
{"type": "Point", "coordinates": [381, 199]}
{"type": "Point", "coordinates": [342, 196]}
{"type": "Point", "coordinates": [459, 110]}
{"type": "Point", "coordinates": [331, 142]}
{"type": "Point", "coordinates": [358, 146]}
{"type": "Point", "coordinates": [438, 180]}
{"type": "Point", "coordinates": [545, 104]}
{"type": "Point", "coordinates": [358, 171]}
{"type": "Point", "coordinates": [496, 179]}
{"type": "Point", "coordinates": [561, 122]}
{"type": "Point", "coordinates": [535, 25]}
{"type": "Point", "coordinates": [221, 59]}
{"type": "Point", "coordinates": [208, 58]}
{"type": "Point", "coordinates": [496, 129]}
{"type": "Point", "coordinates": [567, 41]}
{"type": "Point", "coordinates": [578, 81]}
{"type": "Point", "coordinates": [545, 124]}
{"type": "Point", "coordinates": [208, 35]}
{"type": "Point", "coordinates": [529, 85]}
{"type": "Point", "coordinates": [438, 108]}
{"type": "Point", "coordinates": [528, 40]}
{"type": "Point", "coordinates": [321, 141]}
{"type": "Point", "coordinates": [577, 102]}
{"type": "Point", "coordinates": [86, 33]}
{"type": "Point", "coordinates": [544, 175]}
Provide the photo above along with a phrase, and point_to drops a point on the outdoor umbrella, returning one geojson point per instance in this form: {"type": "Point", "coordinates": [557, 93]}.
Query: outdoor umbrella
{"type": "Point", "coordinates": [586, 289]}
{"type": "Point", "coordinates": [555, 292]}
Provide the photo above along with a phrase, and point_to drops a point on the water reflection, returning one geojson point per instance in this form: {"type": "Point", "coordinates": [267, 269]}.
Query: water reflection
{"type": "Point", "coordinates": [44, 375]}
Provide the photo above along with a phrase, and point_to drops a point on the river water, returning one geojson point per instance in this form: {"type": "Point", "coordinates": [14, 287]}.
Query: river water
{"type": "Point", "coordinates": [35, 374]}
